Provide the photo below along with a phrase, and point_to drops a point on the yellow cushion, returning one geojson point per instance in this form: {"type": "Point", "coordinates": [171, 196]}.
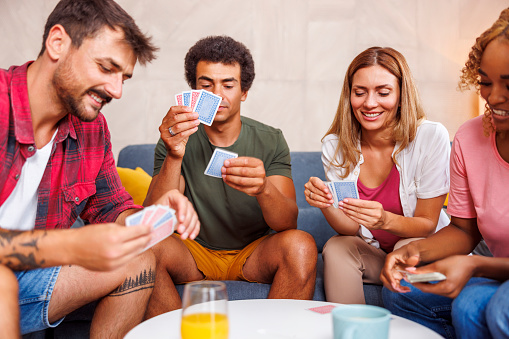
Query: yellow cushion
{"type": "Point", "coordinates": [136, 182]}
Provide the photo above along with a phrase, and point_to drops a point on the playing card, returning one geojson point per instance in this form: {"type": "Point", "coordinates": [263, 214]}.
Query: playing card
{"type": "Point", "coordinates": [342, 189]}
{"type": "Point", "coordinates": [178, 99]}
{"type": "Point", "coordinates": [345, 189]}
{"type": "Point", "coordinates": [134, 219]}
{"type": "Point", "coordinates": [195, 94]}
{"type": "Point", "coordinates": [162, 218]}
{"type": "Point", "coordinates": [156, 214]}
{"type": "Point", "coordinates": [217, 160]}
{"type": "Point", "coordinates": [323, 309]}
{"type": "Point", "coordinates": [186, 98]}
{"type": "Point", "coordinates": [148, 213]}
{"type": "Point", "coordinates": [207, 106]}
{"type": "Point", "coordinates": [163, 227]}
{"type": "Point", "coordinates": [332, 191]}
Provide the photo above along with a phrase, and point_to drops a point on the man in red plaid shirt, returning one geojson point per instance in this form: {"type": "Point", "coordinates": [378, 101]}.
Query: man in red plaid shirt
{"type": "Point", "coordinates": [58, 165]}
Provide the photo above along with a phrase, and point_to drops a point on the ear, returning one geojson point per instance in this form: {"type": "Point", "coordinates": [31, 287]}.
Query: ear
{"type": "Point", "coordinates": [244, 96]}
{"type": "Point", "coordinates": [57, 42]}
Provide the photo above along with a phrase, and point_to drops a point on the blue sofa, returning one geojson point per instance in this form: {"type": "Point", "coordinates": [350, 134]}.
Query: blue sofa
{"type": "Point", "coordinates": [311, 220]}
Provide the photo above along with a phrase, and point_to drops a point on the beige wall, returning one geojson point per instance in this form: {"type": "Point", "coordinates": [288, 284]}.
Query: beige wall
{"type": "Point", "coordinates": [301, 50]}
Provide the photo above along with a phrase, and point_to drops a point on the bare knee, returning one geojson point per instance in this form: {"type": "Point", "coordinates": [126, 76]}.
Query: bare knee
{"type": "Point", "coordinates": [9, 283]}
{"type": "Point", "coordinates": [299, 248]}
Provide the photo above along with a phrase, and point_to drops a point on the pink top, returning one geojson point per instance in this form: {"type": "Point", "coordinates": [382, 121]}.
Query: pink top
{"type": "Point", "coordinates": [479, 185]}
{"type": "Point", "coordinates": [388, 195]}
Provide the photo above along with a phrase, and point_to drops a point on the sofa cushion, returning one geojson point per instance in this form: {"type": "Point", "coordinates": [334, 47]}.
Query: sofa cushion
{"type": "Point", "coordinates": [136, 182]}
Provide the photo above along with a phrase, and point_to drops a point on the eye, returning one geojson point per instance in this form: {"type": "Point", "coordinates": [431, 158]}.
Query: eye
{"type": "Point", "coordinates": [105, 69]}
{"type": "Point", "coordinates": [358, 93]}
{"type": "Point", "coordinates": [484, 83]}
{"type": "Point", "coordinates": [228, 86]}
{"type": "Point", "coordinates": [384, 94]}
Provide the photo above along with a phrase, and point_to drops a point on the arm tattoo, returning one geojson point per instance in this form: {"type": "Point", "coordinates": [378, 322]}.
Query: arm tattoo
{"type": "Point", "coordinates": [26, 256]}
{"type": "Point", "coordinates": [133, 284]}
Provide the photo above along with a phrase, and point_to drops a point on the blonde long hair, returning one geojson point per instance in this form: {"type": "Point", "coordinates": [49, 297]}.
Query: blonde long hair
{"type": "Point", "coordinates": [410, 114]}
{"type": "Point", "coordinates": [470, 73]}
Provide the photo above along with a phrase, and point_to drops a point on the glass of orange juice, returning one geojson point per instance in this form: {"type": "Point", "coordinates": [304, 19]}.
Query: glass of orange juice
{"type": "Point", "coordinates": [204, 311]}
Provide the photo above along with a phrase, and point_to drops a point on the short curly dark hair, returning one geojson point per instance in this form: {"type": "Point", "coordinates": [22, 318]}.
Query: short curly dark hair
{"type": "Point", "coordinates": [220, 49]}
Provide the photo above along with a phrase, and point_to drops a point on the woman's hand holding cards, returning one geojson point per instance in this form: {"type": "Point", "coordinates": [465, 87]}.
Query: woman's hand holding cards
{"type": "Point", "coordinates": [317, 193]}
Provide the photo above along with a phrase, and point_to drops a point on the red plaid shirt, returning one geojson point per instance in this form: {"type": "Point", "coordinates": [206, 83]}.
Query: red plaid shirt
{"type": "Point", "coordinates": [80, 179]}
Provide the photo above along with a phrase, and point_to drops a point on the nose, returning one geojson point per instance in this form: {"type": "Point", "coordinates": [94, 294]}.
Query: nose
{"type": "Point", "coordinates": [498, 95]}
{"type": "Point", "coordinates": [370, 101]}
{"type": "Point", "coordinates": [218, 90]}
{"type": "Point", "coordinates": [114, 86]}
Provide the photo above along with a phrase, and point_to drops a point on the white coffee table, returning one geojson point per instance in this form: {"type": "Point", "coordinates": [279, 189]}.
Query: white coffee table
{"type": "Point", "coordinates": [273, 318]}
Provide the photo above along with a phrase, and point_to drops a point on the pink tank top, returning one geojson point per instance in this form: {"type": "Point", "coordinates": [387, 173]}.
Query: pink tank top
{"type": "Point", "coordinates": [388, 195]}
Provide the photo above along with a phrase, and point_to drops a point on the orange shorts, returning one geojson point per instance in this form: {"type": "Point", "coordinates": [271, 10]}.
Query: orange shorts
{"type": "Point", "coordinates": [220, 265]}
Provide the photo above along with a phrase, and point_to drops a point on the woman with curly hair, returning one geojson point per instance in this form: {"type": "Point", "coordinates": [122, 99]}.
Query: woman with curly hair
{"type": "Point", "coordinates": [399, 162]}
{"type": "Point", "coordinates": [473, 301]}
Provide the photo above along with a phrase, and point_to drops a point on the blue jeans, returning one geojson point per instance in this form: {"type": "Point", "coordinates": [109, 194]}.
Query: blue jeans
{"type": "Point", "coordinates": [35, 290]}
{"type": "Point", "coordinates": [481, 310]}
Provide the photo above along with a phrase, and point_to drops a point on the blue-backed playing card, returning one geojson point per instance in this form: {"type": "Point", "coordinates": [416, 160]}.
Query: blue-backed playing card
{"type": "Point", "coordinates": [217, 160]}
{"type": "Point", "coordinates": [186, 98]}
{"type": "Point", "coordinates": [345, 189]}
{"type": "Point", "coordinates": [342, 189]}
{"type": "Point", "coordinates": [207, 106]}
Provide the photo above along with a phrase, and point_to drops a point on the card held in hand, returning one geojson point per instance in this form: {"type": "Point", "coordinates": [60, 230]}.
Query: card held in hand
{"type": "Point", "coordinates": [161, 217]}
{"type": "Point", "coordinates": [217, 160]}
{"type": "Point", "coordinates": [342, 189]}
{"type": "Point", "coordinates": [207, 106]}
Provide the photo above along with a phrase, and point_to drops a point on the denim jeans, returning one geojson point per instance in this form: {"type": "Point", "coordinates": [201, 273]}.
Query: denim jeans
{"type": "Point", "coordinates": [481, 310]}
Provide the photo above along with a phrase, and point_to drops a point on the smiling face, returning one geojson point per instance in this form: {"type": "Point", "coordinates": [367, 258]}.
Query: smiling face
{"type": "Point", "coordinates": [222, 80]}
{"type": "Point", "coordinates": [494, 82]}
{"type": "Point", "coordinates": [375, 97]}
{"type": "Point", "coordinates": [90, 76]}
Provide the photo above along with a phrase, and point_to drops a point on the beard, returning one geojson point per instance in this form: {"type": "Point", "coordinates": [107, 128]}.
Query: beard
{"type": "Point", "coordinates": [68, 93]}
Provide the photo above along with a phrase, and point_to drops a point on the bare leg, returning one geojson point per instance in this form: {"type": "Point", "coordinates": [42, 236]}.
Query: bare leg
{"type": "Point", "coordinates": [9, 308]}
{"type": "Point", "coordinates": [288, 261]}
{"type": "Point", "coordinates": [175, 265]}
{"type": "Point", "coordinates": [126, 292]}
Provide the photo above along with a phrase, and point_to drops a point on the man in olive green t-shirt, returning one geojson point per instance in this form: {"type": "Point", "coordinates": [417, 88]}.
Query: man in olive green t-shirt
{"type": "Point", "coordinates": [249, 216]}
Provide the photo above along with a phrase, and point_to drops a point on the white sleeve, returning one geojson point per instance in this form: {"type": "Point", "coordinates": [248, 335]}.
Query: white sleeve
{"type": "Point", "coordinates": [329, 145]}
{"type": "Point", "coordinates": [433, 169]}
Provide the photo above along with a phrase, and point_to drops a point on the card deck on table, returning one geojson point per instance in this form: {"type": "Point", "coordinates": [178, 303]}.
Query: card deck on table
{"type": "Point", "coordinates": [217, 160]}
{"type": "Point", "coordinates": [162, 218]}
{"type": "Point", "coordinates": [342, 189]}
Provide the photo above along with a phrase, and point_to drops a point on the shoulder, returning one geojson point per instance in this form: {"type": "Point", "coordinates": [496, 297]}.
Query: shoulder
{"type": "Point", "coordinates": [474, 125]}
{"type": "Point", "coordinates": [259, 127]}
{"type": "Point", "coordinates": [430, 128]}
{"type": "Point", "coordinates": [330, 143]}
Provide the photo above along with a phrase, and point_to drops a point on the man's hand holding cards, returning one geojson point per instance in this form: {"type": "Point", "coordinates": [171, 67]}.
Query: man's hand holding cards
{"type": "Point", "coordinates": [162, 218]}
{"type": "Point", "coordinates": [217, 161]}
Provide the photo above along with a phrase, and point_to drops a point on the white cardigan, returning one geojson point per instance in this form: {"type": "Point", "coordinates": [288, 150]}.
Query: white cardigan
{"type": "Point", "coordinates": [423, 169]}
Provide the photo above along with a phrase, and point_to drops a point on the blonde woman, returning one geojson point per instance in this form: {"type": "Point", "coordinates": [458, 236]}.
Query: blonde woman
{"type": "Point", "coordinates": [400, 164]}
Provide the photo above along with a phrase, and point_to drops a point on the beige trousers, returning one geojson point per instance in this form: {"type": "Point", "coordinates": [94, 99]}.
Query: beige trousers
{"type": "Point", "coordinates": [349, 262]}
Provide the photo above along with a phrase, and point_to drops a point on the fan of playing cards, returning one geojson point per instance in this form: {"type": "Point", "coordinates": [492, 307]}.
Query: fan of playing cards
{"type": "Point", "coordinates": [162, 218]}
{"type": "Point", "coordinates": [342, 189]}
{"type": "Point", "coordinates": [202, 102]}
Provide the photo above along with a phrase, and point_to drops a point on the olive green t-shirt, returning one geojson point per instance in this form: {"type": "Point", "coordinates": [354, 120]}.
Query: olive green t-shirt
{"type": "Point", "coordinates": [229, 219]}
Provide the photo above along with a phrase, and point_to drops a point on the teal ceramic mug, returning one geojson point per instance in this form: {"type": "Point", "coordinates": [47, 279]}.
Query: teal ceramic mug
{"type": "Point", "coordinates": [360, 321]}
